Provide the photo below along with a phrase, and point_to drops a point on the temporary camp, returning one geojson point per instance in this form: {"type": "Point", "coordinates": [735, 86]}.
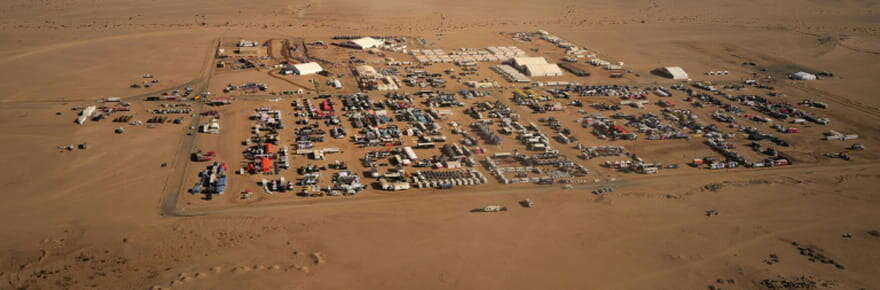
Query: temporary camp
{"type": "Point", "coordinates": [307, 68]}
{"type": "Point", "coordinates": [673, 72]}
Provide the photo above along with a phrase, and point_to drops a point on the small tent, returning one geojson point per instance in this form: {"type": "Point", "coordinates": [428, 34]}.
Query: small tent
{"type": "Point", "coordinates": [266, 164]}
{"type": "Point", "coordinates": [267, 148]}
{"type": "Point", "coordinates": [803, 76]}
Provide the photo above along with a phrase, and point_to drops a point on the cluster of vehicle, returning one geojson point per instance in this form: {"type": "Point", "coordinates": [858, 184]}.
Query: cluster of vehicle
{"type": "Point", "coordinates": [145, 83]}
{"type": "Point", "coordinates": [602, 190]}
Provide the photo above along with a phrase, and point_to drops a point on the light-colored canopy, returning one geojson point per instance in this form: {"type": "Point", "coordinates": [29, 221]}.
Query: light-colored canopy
{"type": "Point", "coordinates": [307, 68]}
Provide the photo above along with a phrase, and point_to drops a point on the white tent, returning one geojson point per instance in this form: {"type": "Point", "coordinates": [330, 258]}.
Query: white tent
{"type": "Point", "coordinates": [364, 43]}
{"type": "Point", "coordinates": [674, 72]}
{"type": "Point", "coordinates": [247, 43]}
{"type": "Point", "coordinates": [85, 115]}
{"type": "Point", "coordinates": [520, 62]}
{"type": "Point", "coordinates": [803, 76]}
{"type": "Point", "coordinates": [543, 70]}
{"type": "Point", "coordinates": [366, 71]}
{"type": "Point", "coordinates": [307, 68]}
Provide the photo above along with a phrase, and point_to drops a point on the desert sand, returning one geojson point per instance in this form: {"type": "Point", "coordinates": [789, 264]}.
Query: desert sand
{"type": "Point", "coordinates": [102, 218]}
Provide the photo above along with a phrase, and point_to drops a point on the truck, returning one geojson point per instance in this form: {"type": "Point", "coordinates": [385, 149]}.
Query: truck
{"type": "Point", "coordinates": [491, 208]}
{"type": "Point", "coordinates": [200, 156]}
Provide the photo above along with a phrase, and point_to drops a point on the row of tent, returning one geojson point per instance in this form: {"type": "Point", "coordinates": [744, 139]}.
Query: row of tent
{"type": "Point", "coordinates": [450, 183]}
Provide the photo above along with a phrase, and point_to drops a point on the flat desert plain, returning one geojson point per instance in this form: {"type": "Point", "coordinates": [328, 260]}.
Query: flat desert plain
{"type": "Point", "coordinates": [117, 215]}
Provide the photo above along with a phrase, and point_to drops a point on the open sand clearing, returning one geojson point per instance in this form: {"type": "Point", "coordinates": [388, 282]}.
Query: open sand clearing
{"type": "Point", "coordinates": [116, 215]}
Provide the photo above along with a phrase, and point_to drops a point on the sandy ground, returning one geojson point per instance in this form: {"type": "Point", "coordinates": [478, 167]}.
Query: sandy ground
{"type": "Point", "coordinates": [91, 218]}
